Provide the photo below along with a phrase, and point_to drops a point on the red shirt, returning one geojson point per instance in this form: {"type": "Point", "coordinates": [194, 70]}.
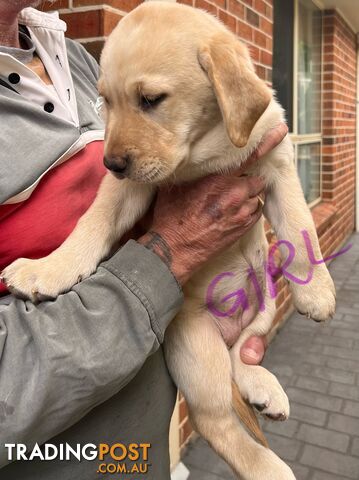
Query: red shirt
{"type": "Point", "coordinates": [37, 226]}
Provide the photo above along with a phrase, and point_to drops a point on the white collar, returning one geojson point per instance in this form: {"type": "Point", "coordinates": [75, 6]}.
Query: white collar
{"type": "Point", "coordinates": [34, 18]}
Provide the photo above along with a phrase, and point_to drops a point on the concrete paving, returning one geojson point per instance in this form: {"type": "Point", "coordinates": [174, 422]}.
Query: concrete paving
{"type": "Point", "coordinates": [318, 365]}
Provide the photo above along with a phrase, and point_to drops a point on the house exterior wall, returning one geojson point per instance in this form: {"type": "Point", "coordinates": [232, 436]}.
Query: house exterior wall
{"type": "Point", "coordinates": [252, 20]}
{"type": "Point", "coordinates": [339, 128]}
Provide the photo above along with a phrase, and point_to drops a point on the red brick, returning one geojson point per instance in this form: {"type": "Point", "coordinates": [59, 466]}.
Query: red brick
{"type": "Point", "coordinates": [228, 20]}
{"type": "Point", "coordinates": [183, 410]}
{"type": "Point", "coordinates": [110, 21]}
{"type": "Point", "coordinates": [84, 24]}
{"type": "Point", "coordinates": [266, 26]}
{"type": "Point", "coordinates": [269, 44]}
{"type": "Point", "coordinates": [260, 6]}
{"type": "Point", "coordinates": [220, 3]}
{"type": "Point", "coordinates": [266, 58]}
{"type": "Point", "coordinates": [236, 8]}
{"type": "Point", "coordinates": [204, 5]}
{"type": "Point", "coordinates": [252, 17]}
{"type": "Point", "coordinates": [54, 6]}
{"type": "Point", "coordinates": [255, 53]}
{"type": "Point", "coordinates": [269, 12]}
{"type": "Point", "coordinates": [260, 39]}
{"type": "Point", "coordinates": [186, 431]}
{"type": "Point", "coordinates": [261, 72]}
{"type": "Point", "coordinates": [244, 30]}
{"type": "Point", "coordinates": [86, 3]}
{"type": "Point", "coordinates": [125, 5]}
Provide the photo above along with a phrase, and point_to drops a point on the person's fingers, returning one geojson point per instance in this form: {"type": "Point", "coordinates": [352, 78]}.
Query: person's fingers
{"type": "Point", "coordinates": [255, 185]}
{"type": "Point", "coordinates": [248, 221]}
{"type": "Point", "coordinates": [273, 138]}
{"type": "Point", "coordinates": [250, 207]}
{"type": "Point", "coordinates": [252, 351]}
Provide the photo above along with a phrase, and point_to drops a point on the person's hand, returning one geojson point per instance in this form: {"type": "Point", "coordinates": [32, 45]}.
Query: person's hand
{"type": "Point", "coordinates": [191, 223]}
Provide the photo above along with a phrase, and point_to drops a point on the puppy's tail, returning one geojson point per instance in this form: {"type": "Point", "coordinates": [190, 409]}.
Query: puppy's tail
{"type": "Point", "coordinates": [247, 416]}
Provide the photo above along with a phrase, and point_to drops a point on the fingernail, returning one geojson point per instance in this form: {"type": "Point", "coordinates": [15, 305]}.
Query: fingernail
{"type": "Point", "coordinates": [250, 353]}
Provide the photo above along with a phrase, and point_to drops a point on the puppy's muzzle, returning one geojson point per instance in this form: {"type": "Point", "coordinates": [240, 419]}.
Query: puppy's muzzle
{"type": "Point", "coordinates": [119, 166]}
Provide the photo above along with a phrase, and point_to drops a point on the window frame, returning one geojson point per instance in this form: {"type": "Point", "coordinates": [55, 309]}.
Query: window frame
{"type": "Point", "coordinates": [306, 139]}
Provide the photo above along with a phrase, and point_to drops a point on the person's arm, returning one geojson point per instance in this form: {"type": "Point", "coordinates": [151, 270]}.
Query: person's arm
{"type": "Point", "coordinates": [60, 359]}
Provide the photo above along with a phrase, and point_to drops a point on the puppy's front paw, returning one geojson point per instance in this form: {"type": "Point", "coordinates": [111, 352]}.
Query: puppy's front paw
{"type": "Point", "coordinates": [316, 300]}
{"type": "Point", "coordinates": [39, 280]}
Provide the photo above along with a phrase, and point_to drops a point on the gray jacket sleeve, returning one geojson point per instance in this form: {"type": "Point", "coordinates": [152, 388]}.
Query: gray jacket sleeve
{"type": "Point", "coordinates": [60, 359]}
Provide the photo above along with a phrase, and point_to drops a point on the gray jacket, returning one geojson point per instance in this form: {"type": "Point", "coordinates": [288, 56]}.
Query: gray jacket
{"type": "Point", "coordinates": [86, 368]}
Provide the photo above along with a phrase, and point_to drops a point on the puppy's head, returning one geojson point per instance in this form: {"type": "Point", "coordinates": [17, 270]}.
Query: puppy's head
{"type": "Point", "coordinates": [170, 73]}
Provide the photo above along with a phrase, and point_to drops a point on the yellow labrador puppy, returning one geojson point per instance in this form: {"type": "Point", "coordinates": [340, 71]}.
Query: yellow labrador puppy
{"type": "Point", "coordinates": [183, 101]}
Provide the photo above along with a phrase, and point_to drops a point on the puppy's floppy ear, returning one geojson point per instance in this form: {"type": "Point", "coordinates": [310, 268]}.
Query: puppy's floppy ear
{"type": "Point", "coordinates": [241, 95]}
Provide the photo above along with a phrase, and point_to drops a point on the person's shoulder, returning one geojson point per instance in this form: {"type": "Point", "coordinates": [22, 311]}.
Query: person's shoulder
{"type": "Point", "coordinates": [78, 56]}
{"type": "Point", "coordinates": [77, 50]}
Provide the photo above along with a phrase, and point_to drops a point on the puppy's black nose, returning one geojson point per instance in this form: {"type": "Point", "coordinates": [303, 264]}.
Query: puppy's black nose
{"type": "Point", "coordinates": [118, 165]}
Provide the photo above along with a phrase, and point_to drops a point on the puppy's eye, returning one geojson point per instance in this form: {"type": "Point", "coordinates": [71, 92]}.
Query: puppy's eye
{"type": "Point", "coordinates": [148, 102]}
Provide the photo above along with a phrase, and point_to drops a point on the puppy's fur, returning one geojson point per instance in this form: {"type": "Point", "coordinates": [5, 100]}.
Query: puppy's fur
{"type": "Point", "coordinates": [215, 113]}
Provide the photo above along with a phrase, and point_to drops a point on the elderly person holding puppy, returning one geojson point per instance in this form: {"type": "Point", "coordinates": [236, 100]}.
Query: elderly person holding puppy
{"type": "Point", "coordinates": [88, 367]}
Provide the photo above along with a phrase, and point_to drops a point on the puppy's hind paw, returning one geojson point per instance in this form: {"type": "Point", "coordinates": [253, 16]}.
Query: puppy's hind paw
{"type": "Point", "coordinates": [262, 390]}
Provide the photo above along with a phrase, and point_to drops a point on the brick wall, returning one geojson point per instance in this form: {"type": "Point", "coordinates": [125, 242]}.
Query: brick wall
{"type": "Point", "coordinates": [339, 128]}
{"type": "Point", "coordinates": [252, 20]}
{"type": "Point", "coordinates": [91, 21]}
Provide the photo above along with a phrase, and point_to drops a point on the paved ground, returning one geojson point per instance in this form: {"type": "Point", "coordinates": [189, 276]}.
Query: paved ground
{"type": "Point", "coordinates": [319, 367]}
